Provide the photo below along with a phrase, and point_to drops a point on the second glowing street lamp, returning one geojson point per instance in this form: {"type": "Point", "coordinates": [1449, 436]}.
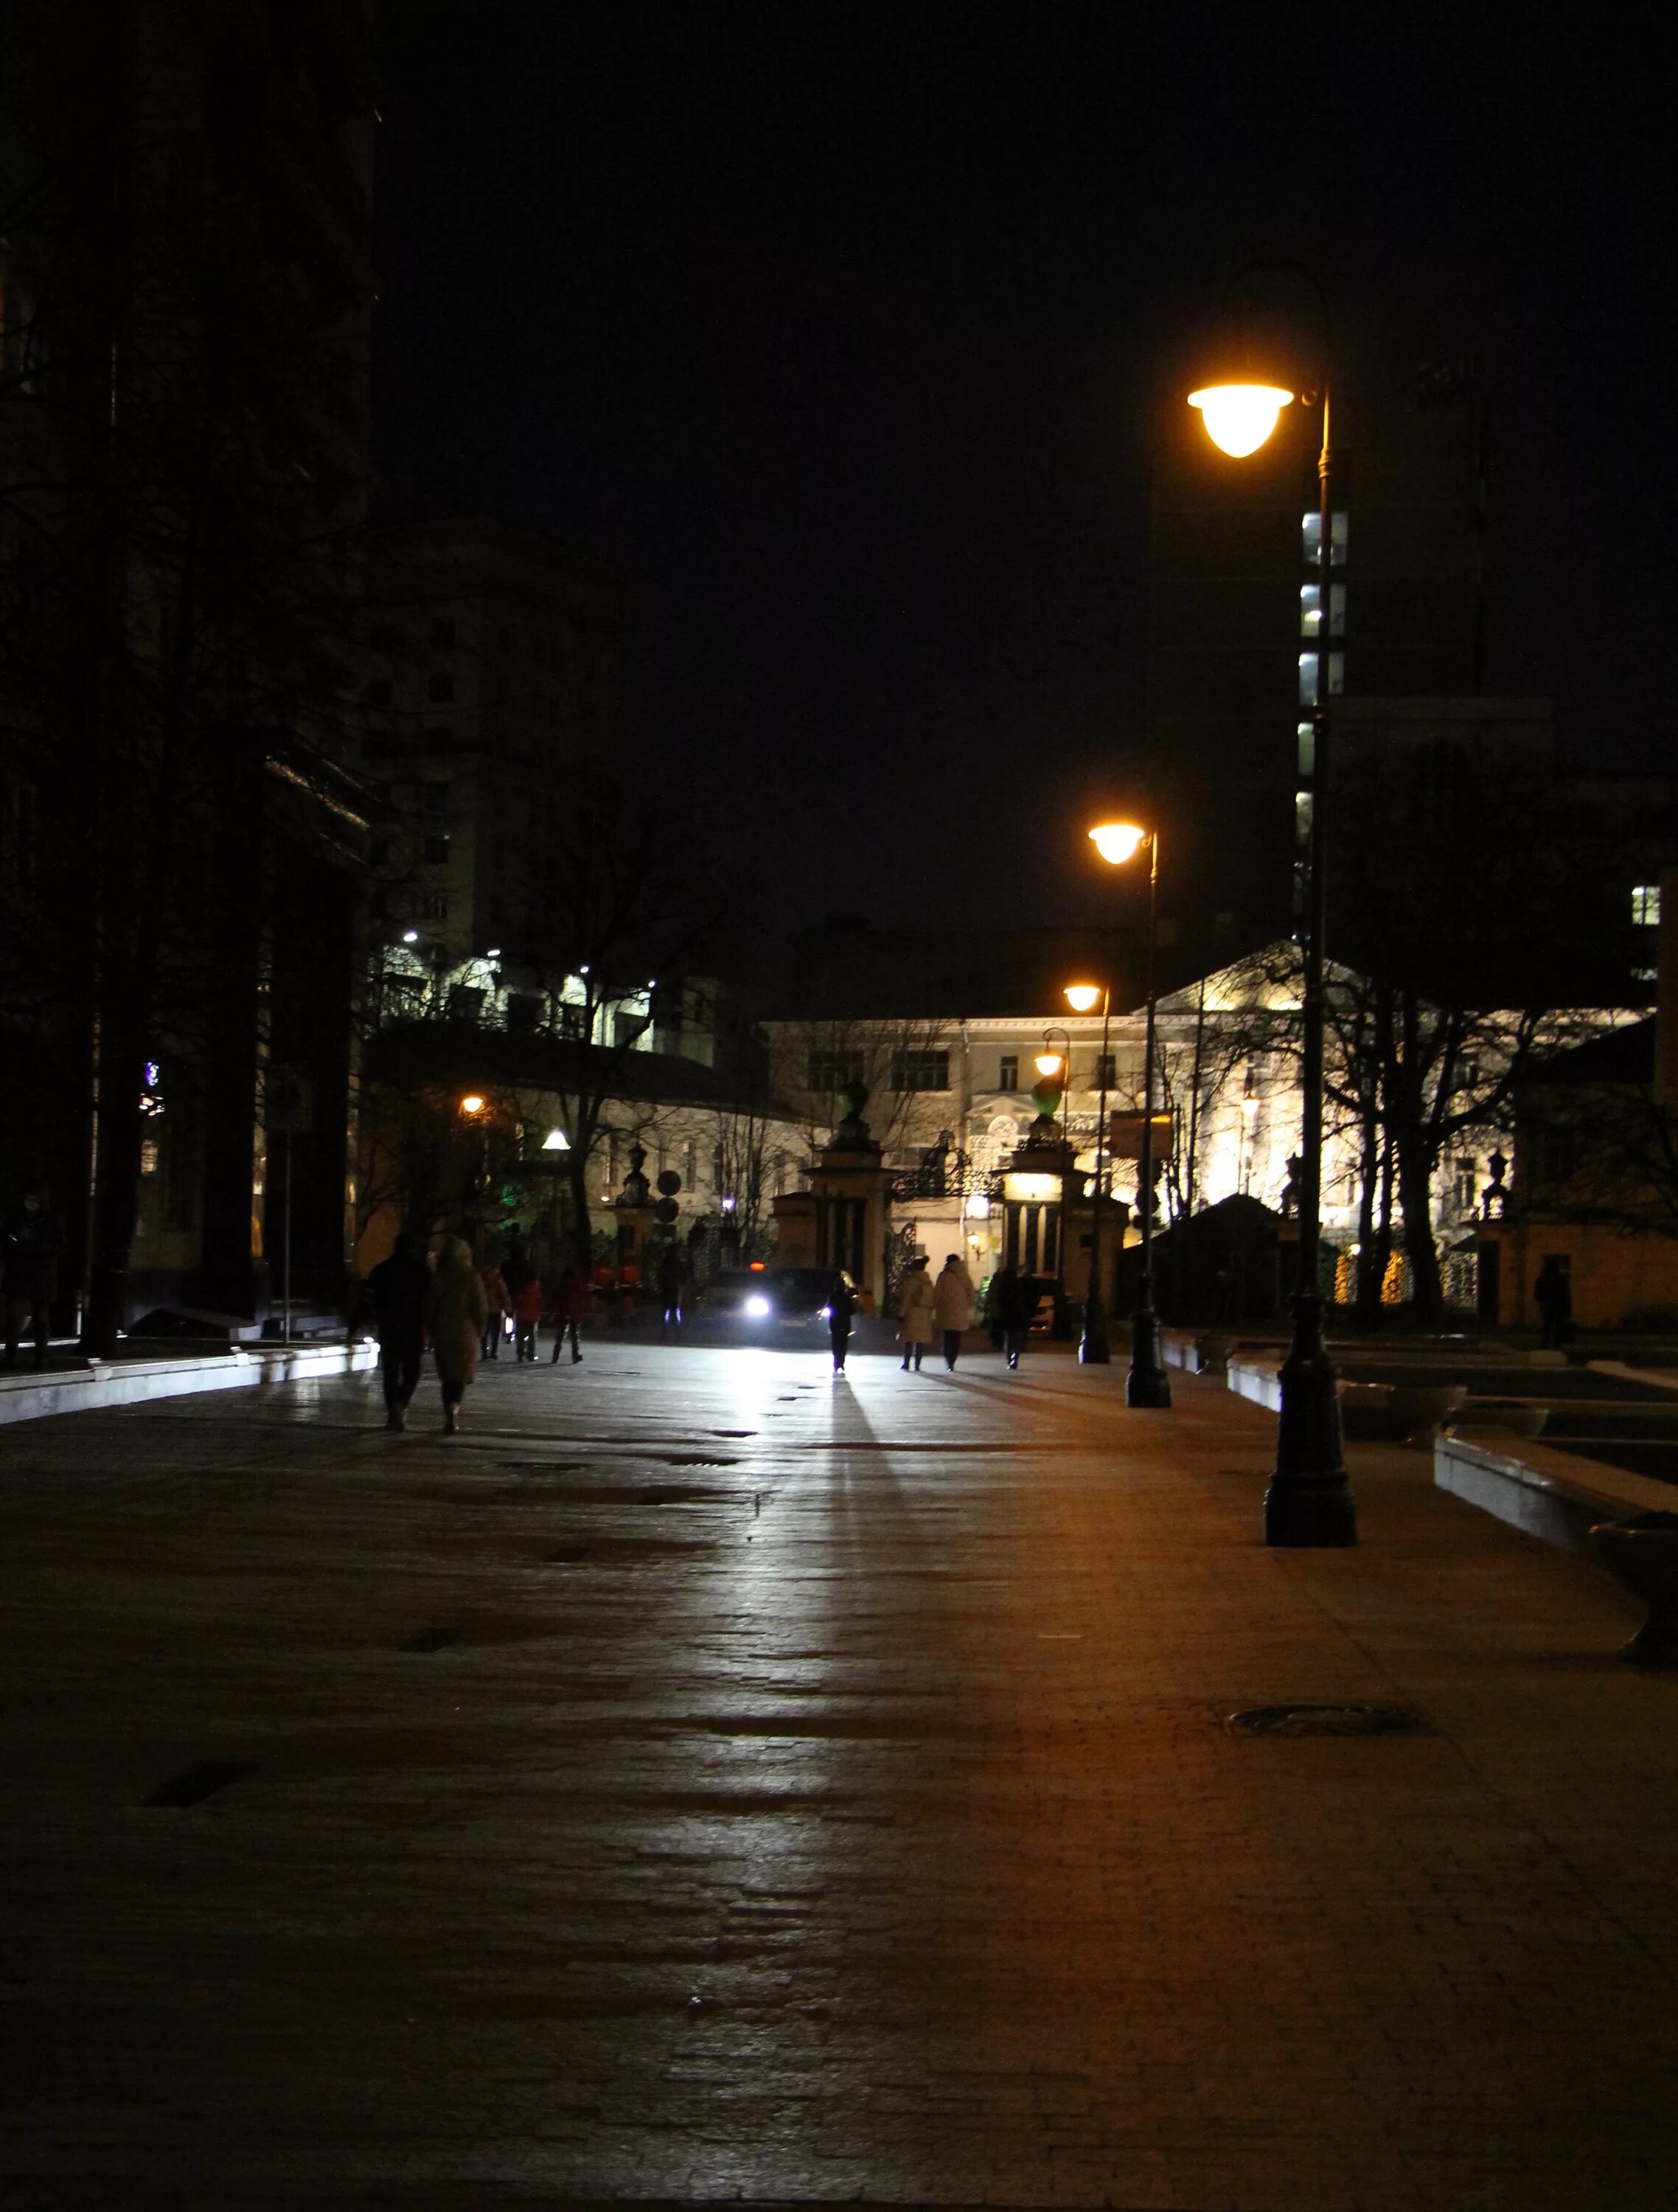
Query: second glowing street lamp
{"type": "Point", "coordinates": [1147, 1383]}
{"type": "Point", "coordinates": [1094, 1348]}
{"type": "Point", "coordinates": [1308, 1501]}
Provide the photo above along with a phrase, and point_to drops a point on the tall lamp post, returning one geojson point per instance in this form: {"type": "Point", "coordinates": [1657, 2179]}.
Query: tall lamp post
{"type": "Point", "coordinates": [1093, 1349]}
{"type": "Point", "coordinates": [1147, 1383]}
{"type": "Point", "coordinates": [1055, 1068]}
{"type": "Point", "coordinates": [1308, 1501]}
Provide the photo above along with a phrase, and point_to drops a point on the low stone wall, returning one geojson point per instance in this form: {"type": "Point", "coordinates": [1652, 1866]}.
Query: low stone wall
{"type": "Point", "coordinates": [1549, 1494]}
{"type": "Point", "coordinates": [30, 1397]}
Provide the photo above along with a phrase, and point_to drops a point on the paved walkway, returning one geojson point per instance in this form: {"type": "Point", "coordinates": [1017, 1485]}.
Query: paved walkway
{"type": "Point", "coordinates": [702, 1781]}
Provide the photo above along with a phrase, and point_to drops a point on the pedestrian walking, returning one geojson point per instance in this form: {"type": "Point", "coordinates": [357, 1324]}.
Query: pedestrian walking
{"type": "Point", "coordinates": [526, 1312]}
{"type": "Point", "coordinates": [497, 1305]}
{"type": "Point", "coordinates": [841, 1309]}
{"type": "Point", "coordinates": [952, 1307]}
{"type": "Point", "coordinates": [455, 1315]}
{"type": "Point", "coordinates": [915, 1328]}
{"type": "Point", "coordinates": [34, 1242]}
{"type": "Point", "coordinates": [1014, 1301]}
{"type": "Point", "coordinates": [670, 1279]}
{"type": "Point", "coordinates": [570, 1299]}
{"type": "Point", "coordinates": [1552, 1294]}
{"type": "Point", "coordinates": [397, 1286]}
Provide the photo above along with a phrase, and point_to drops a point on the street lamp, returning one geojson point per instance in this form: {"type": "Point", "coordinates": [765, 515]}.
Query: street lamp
{"type": "Point", "coordinates": [1054, 1071]}
{"type": "Point", "coordinates": [1093, 1349]}
{"type": "Point", "coordinates": [1308, 1501]}
{"type": "Point", "coordinates": [1147, 1383]}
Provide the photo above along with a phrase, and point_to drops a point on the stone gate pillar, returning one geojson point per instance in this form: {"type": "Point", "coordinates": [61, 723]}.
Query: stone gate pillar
{"type": "Point", "coordinates": [850, 1187]}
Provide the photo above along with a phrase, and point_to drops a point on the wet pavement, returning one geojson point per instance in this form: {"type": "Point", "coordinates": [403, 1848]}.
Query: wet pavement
{"type": "Point", "coordinates": [700, 1780]}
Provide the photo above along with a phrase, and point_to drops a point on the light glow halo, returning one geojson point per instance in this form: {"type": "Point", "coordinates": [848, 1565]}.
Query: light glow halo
{"type": "Point", "coordinates": [1239, 418]}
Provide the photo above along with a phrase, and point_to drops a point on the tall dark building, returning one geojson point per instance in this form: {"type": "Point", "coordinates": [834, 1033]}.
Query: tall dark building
{"type": "Point", "coordinates": [493, 689]}
{"type": "Point", "coordinates": [1237, 642]}
{"type": "Point", "coordinates": [187, 288]}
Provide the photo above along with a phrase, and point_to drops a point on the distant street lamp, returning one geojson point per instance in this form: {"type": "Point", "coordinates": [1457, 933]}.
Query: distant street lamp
{"type": "Point", "coordinates": [1147, 1383]}
{"type": "Point", "coordinates": [1308, 1501]}
{"type": "Point", "coordinates": [1093, 1349]}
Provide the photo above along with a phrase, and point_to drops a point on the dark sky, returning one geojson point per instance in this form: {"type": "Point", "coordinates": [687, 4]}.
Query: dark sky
{"type": "Point", "coordinates": [837, 326]}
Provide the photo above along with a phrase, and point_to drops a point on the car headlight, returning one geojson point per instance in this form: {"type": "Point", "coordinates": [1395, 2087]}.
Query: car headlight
{"type": "Point", "coordinates": [824, 1313]}
{"type": "Point", "coordinates": [757, 1308]}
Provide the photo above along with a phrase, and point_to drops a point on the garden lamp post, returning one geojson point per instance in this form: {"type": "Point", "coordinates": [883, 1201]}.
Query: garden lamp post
{"type": "Point", "coordinates": [1093, 1349]}
{"type": "Point", "coordinates": [1147, 1383]}
{"type": "Point", "coordinates": [1308, 1501]}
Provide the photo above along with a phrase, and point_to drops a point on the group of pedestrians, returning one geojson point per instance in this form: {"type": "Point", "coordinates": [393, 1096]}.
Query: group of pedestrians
{"type": "Point", "coordinates": [943, 1307]}
{"type": "Point", "coordinates": [462, 1311]}
{"type": "Point", "coordinates": [513, 1291]}
{"type": "Point", "coordinates": [929, 1308]}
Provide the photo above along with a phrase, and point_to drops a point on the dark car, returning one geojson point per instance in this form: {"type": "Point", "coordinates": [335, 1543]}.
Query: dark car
{"type": "Point", "coordinates": [772, 1302]}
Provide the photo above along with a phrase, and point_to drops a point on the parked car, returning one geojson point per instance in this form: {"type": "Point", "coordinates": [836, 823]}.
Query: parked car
{"type": "Point", "coordinates": [772, 1304]}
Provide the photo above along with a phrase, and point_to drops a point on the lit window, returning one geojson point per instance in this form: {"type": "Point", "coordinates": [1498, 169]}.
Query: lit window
{"type": "Point", "coordinates": [148, 1156]}
{"type": "Point", "coordinates": [1306, 734]}
{"type": "Point", "coordinates": [1308, 664]}
{"type": "Point", "coordinates": [1646, 906]}
{"type": "Point", "coordinates": [1310, 610]}
{"type": "Point", "coordinates": [1311, 534]}
{"type": "Point", "coordinates": [1302, 818]}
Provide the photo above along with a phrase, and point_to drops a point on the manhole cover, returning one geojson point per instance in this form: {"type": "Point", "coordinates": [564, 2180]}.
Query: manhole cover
{"type": "Point", "coordinates": [431, 1640]}
{"type": "Point", "coordinates": [191, 1787]}
{"type": "Point", "coordinates": [1323, 1720]}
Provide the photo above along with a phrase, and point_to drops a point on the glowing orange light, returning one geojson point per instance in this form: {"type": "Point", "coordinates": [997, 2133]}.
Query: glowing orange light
{"type": "Point", "coordinates": [473, 1104]}
{"type": "Point", "coordinates": [1239, 418]}
{"type": "Point", "coordinates": [1083, 998]}
{"type": "Point", "coordinates": [1118, 841]}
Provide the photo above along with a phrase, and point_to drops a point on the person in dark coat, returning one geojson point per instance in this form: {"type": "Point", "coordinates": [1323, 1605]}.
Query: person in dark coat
{"type": "Point", "coordinates": [398, 1285]}
{"type": "Point", "coordinates": [570, 1299]}
{"type": "Point", "coordinates": [841, 1309]}
{"type": "Point", "coordinates": [33, 1241]}
{"type": "Point", "coordinates": [1552, 1294]}
{"type": "Point", "coordinates": [670, 1289]}
{"type": "Point", "coordinates": [1015, 1299]}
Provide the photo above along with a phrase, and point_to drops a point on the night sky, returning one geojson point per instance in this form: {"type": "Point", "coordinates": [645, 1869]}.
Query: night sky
{"type": "Point", "coordinates": [837, 326]}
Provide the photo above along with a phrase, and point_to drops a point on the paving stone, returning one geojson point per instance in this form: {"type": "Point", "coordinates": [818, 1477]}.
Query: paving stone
{"type": "Point", "coordinates": [854, 1821]}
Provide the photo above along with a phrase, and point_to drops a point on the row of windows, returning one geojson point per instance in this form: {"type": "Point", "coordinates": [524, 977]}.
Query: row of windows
{"type": "Point", "coordinates": [930, 1071]}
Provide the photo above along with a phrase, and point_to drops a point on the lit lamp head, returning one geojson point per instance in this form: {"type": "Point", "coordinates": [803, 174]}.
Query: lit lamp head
{"type": "Point", "coordinates": [473, 1102]}
{"type": "Point", "coordinates": [1083, 998]}
{"type": "Point", "coordinates": [1049, 1064]}
{"type": "Point", "coordinates": [1239, 418]}
{"type": "Point", "coordinates": [1118, 841]}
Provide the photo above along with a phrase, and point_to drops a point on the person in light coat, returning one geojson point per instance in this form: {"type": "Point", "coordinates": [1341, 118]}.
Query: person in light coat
{"type": "Point", "coordinates": [952, 1306]}
{"type": "Point", "coordinates": [455, 1312]}
{"type": "Point", "coordinates": [914, 1323]}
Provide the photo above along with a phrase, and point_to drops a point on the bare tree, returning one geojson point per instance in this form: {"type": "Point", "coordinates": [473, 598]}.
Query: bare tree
{"type": "Point", "coordinates": [816, 1061]}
